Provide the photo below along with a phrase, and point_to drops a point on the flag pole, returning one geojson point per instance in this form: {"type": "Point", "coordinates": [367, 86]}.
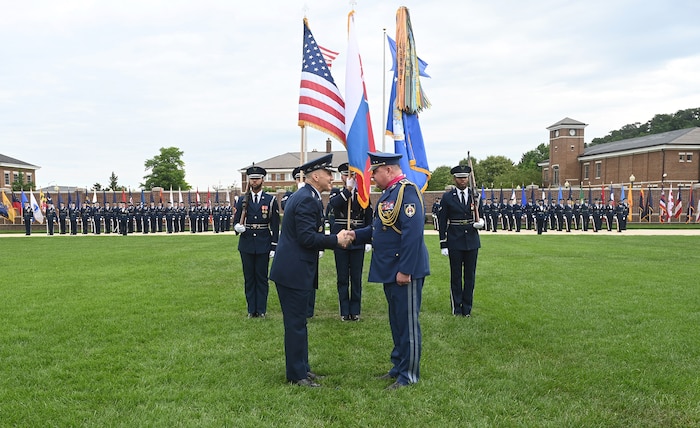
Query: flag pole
{"type": "Point", "coordinates": [381, 133]}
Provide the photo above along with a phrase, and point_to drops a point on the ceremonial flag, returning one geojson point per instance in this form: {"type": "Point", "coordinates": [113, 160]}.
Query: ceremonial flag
{"type": "Point", "coordinates": [38, 216]}
{"type": "Point", "coordinates": [406, 101]}
{"type": "Point", "coordinates": [131, 198]}
{"type": "Point", "coordinates": [77, 199]}
{"type": "Point", "coordinates": [560, 195]}
{"type": "Point", "coordinates": [104, 196]}
{"type": "Point", "coordinates": [123, 196]}
{"type": "Point", "coordinates": [152, 198]}
{"type": "Point", "coordinates": [697, 212]}
{"type": "Point", "coordinates": [483, 193]}
{"type": "Point", "coordinates": [662, 206]}
{"type": "Point", "coordinates": [500, 196]}
{"type": "Point", "coordinates": [512, 194]}
{"type": "Point", "coordinates": [320, 103]}
{"type": "Point", "coordinates": [691, 207]}
{"type": "Point", "coordinates": [570, 195]}
{"type": "Point", "coordinates": [580, 194]}
{"type": "Point", "coordinates": [622, 193]}
{"type": "Point", "coordinates": [143, 197]}
{"type": "Point", "coordinates": [493, 196]}
{"type": "Point", "coordinates": [532, 195]}
{"type": "Point", "coordinates": [678, 208]}
{"type": "Point", "coordinates": [179, 195]}
{"type": "Point", "coordinates": [328, 55]}
{"type": "Point", "coordinates": [16, 204]}
{"type": "Point", "coordinates": [590, 196]}
{"type": "Point", "coordinates": [228, 196]}
{"type": "Point", "coordinates": [358, 126]}
{"type": "Point", "coordinates": [643, 212]}
{"type": "Point", "coordinates": [216, 198]}
{"type": "Point", "coordinates": [549, 197]}
{"type": "Point", "coordinates": [69, 199]}
{"type": "Point", "coordinates": [42, 201]}
{"type": "Point", "coordinates": [523, 198]}
{"type": "Point", "coordinates": [612, 194]}
{"type": "Point", "coordinates": [670, 204]}
{"type": "Point", "coordinates": [6, 208]}
{"type": "Point", "coordinates": [94, 196]}
{"type": "Point", "coordinates": [208, 198]}
{"type": "Point", "coordinates": [171, 195]}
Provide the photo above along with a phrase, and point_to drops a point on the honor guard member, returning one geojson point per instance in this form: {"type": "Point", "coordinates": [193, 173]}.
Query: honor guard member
{"type": "Point", "coordinates": [597, 215]}
{"type": "Point", "coordinates": [434, 211]}
{"type": "Point", "coordinates": [97, 213]}
{"type": "Point", "coordinates": [108, 216]}
{"type": "Point", "coordinates": [123, 219]}
{"type": "Point", "coordinates": [228, 214]}
{"type": "Point", "coordinates": [399, 261]}
{"type": "Point", "coordinates": [487, 213]}
{"type": "Point", "coordinates": [609, 212]}
{"type": "Point", "coordinates": [295, 266]}
{"type": "Point", "coordinates": [257, 220]}
{"type": "Point", "coordinates": [559, 214]}
{"type": "Point", "coordinates": [28, 216]}
{"type": "Point", "coordinates": [541, 215]}
{"type": "Point", "coordinates": [459, 239]}
{"type": "Point", "coordinates": [73, 214]}
{"type": "Point", "coordinates": [182, 213]}
{"type": "Point", "coordinates": [62, 217]}
{"type": "Point", "coordinates": [568, 214]}
{"type": "Point", "coordinates": [192, 215]}
{"type": "Point", "coordinates": [349, 214]}
{"type": "Point", "coordinates": [51, 217]}
{"type": "Point", "coordinates": [577, 214]}
{"type": "Point", "coordinates": [585, 214]}
{"type": "Point", "coordinates": [495, 213]}
{"type": "Point", "coordinates": [529, 213]}
{"type": "Point", "coordinates": [160, 213]}
{"type": "Point", "coordinates": [169, 217]}
{"type": "Point", "coordinates": [216, 216]}
{"type": "Point", "coordinates": [85, 216]}
{"type": "Point", "coordinates": [621, 214]}
{"type": "Point", "coordinates": [517, 215]}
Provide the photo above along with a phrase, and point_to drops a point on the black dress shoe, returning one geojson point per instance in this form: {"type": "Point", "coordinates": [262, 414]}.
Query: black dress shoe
{"type": "Point", "coordinates": [386, 376]}
{"type": "Point", "coordinates": [354, 317]}
{"type": "Point", "coordinates": [305, 382]}
{"type": "Point", "coordinates": [314, 376]}
{"type": "Point", "coordinates": [395, 385]}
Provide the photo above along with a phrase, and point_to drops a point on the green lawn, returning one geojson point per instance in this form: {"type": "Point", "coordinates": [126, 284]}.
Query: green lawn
{"type": "Point", "coordinates": [585, 330]}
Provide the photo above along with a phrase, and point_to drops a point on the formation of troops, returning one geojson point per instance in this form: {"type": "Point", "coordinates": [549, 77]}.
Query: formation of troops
{"type": "Point", "coordinates": [127, 218]}
{"type": "Point", "coordinates": [510, 215]}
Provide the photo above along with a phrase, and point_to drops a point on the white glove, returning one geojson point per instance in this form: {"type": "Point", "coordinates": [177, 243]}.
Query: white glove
{"type": "Point", "coordinates": [479, 224]}
{"type": "Point", "coordinates": [445, 252]}
{"type": "Point", "coordinates": [300, 185]}
{"type": "Point", "coordinates": [368, 248]}
{"type": "Point", "coordinates": [350, 184]}
{"type": "Point", "coordinates": [272, 254]}
{"type": "Point", "coordinates": [239, 228]}
{"type": "Point", "coordinates": [320, 254]}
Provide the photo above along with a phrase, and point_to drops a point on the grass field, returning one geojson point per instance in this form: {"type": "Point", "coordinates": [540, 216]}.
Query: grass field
{"type": "Point", "coordinates": [582, 330]}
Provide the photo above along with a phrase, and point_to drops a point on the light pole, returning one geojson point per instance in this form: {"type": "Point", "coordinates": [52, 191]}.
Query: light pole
{"type": "Point", "coordinates": [630, 214]}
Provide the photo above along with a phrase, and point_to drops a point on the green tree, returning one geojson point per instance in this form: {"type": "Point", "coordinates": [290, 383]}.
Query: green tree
{"type": "Point", "coordinates": [114, 183]}
{"type": "Point", "coordinates": [167, 170]}
{"type": "Point", "coordinates": [494, 170]}
{"type": "Point", "coordinates": [440, 178]}
{"type": "Point", "coordinates": [97, 186]}
{"type": "Point", "coordinates": [19, 184]}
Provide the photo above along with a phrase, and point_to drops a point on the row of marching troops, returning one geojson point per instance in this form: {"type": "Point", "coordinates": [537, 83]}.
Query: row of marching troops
{"type": "Point", "coordinates": [567, 215]}
{"type": "Point", "coordinates": [123, 218]}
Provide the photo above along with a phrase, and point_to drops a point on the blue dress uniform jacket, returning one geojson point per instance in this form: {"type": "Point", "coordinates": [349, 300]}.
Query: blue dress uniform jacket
{"type": "Point", "coordinates": [396, 234]}
{"type": "Point", "coordinates": [295, 272]}
{"type": "Point", "coordinates": [262, 221]}
{"type": "Point", "coordinates": [458, 235]}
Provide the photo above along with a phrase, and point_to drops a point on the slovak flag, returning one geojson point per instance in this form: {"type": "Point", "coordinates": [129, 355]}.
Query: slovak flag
{"type": "Point", "coordinates": [358, 127]}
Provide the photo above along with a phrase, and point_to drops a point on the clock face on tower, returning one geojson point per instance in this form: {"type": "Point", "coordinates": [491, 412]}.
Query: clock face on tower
{"type": "Point", "coordinates": [572, 132]}
{"type": "Point", "coordinates": [556, 133]}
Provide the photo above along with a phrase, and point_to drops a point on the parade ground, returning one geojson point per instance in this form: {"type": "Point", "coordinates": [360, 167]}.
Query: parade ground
{"type": "Point", "coordinates": [568, 329]}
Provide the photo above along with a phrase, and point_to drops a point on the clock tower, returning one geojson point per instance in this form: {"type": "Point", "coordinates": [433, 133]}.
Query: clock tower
{"type": "Point", "coordinates": [566, 144]}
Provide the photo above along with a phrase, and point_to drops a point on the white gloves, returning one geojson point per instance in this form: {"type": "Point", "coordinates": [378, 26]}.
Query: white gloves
{"type": "Point", "coordinates": [320, 254]}
{"type": "Point", "coordinates": [272, 254]}
{"type": "Point", "coordinates": [239, 228]}
{"type": "Point", "coordinates": [479, 224]}
{"type": "Point", "coordinates": [300, 184]}
{"type": "Point", "coordinates": [445, 252]}
{"type": "Point", "coordinates": [350, 184]}
{"type": "Point", "coordinates": [368, 248]}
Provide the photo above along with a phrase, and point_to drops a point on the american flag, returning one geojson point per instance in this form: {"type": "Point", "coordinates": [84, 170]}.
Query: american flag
{"type": "Point", "coordinates": [320, 104]}
{"type": "Point", "coordinates": [328, 55]}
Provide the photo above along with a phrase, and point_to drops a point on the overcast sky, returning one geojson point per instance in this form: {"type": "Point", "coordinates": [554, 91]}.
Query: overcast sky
{"type": "Point", "coordinates": [88, 88]}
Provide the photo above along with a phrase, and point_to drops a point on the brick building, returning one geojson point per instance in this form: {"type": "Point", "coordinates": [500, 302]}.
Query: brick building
{"type": "Point", "coordinates": [11, 168]}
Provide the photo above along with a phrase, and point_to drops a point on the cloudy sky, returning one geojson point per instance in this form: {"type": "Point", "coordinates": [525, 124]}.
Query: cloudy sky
{"type": "Point", "coordinates": [88, 88]}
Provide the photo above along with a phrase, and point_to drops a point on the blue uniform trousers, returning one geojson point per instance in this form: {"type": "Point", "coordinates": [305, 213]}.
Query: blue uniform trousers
{"type": "Point", "coordinates": [404, 307]}
{"type": "Point", "coordinates": [348, 265]}
{"type": "Point", "coordinates": [256, 283]}
{"type": "Point", "coordinates": [294, 303]}
{"type": "Point", "coordinates": [462, 265]}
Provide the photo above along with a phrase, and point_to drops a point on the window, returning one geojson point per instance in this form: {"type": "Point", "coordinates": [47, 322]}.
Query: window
{"type": "Point", "coordinates": [15, 176]}
{"type": "Point", "coordinates": [29, 177]}
{"type": "Point", "coordinates": [598, 169]}
{"type": "Point", "coordinates": [546, 174]}
{"type": "Point", "coordinates": [555, 174]}
{"type": "Point", "coordinates": [585, 170]}
{"type": "Point", "coordinates": [7, 179]}
{"type": "Point", "coordinates": [681, 157]}
{"type": "Point", "coordinates": [688, 157]}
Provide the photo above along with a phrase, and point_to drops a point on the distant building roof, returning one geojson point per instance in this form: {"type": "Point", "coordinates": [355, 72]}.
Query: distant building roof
{"type": "Point", "coordinates": [679, 137]}
{"type": "Point", "coordinates": [290, 160]}
{"type": "Point", "coordinates": [567, 122]}
{"type": "Point", "coordinates": [8, 161]}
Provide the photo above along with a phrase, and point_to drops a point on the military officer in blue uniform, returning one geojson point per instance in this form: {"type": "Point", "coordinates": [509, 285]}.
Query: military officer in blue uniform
{"type": "Point", "coordinates": [459, 222]}
{"type": "Point", "coordinates": [28, 216]}
{"type": "Point", "coordinates": [295, 265]}
{"type": "Point", "coordinates": [257, 220]}
{"type": "Point", "coordinates": [51, 217]}
{"type": "Point", "coordinates": [85, 217]}
{"type": "Point", "coordinates": [541, 213]}
{"type": "Point", "coordinates": [62, 216]}
{"type": "Point", "coordinates": [349, 214]}
{"type": "Point", "coordinates": [73, 214]}
{"type": "Point", "coordinates": [399, 261]}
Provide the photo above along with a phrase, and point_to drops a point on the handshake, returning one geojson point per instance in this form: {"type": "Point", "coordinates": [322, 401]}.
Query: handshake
{"type": "Point", "coordinates": [345, 238]}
